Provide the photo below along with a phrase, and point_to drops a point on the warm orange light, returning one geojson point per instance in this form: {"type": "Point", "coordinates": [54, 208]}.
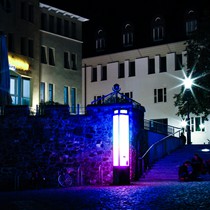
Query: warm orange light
{"type": "Point", "coordinates": [18, 63]}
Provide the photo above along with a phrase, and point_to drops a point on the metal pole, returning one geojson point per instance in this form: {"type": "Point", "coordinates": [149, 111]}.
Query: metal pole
{"type": "Point", "coordinates": [188, 125]}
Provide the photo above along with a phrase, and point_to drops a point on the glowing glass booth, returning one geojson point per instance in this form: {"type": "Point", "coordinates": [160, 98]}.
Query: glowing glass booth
{"type": "Point", "coordinates": [121, 169]}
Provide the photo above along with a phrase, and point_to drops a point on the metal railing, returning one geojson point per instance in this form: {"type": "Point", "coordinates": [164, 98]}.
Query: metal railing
{"type": "Point", "coordinates": [158, 150]}
{"type": "Point", "coordinates": [161, 128]}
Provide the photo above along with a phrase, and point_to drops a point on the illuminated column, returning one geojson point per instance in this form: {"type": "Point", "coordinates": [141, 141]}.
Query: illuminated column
{"type": "Point", "coordinates": [121, 147]}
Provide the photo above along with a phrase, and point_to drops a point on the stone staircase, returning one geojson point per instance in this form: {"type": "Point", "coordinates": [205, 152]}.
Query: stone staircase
{"type": "Point", "coordinates": [166, 169]}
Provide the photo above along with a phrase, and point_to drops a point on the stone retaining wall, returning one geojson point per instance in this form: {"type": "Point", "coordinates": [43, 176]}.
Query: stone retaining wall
{"type": "Point", "coordinates": [82, 143]}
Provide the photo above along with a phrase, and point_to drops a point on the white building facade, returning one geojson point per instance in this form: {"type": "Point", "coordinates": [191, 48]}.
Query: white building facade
{"type": "Point", "coordinates": [150, 76]}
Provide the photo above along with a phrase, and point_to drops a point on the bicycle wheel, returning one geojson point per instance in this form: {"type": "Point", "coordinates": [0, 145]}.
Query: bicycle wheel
{"type": "Point", "coordinates": [65, 180]}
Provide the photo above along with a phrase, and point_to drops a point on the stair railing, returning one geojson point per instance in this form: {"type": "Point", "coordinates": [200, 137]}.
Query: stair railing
{"type": "Point", "coordinates": [158, 150]}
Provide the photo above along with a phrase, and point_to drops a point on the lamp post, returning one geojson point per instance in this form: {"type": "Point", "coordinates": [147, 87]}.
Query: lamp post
{"type": "Point", "coordinates": [188, 85]}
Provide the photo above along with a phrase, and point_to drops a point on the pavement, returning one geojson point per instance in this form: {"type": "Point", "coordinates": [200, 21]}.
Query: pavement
{"type": "Point", "coordinates": [162, 195]}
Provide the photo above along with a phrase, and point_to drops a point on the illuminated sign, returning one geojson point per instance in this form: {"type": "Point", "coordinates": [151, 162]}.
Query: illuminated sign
{"type": "Point", "coordinates": [120, 138]}
{"type": "Point", "coordinates": [18, 63]}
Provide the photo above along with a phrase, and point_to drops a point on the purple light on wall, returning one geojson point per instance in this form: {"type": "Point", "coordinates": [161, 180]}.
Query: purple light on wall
{"type": "Point", "coordinates": [121, 138]}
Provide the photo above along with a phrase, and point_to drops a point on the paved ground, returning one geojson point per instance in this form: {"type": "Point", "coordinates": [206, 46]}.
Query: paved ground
{"type": "Point", "coordinates": [137, 196]}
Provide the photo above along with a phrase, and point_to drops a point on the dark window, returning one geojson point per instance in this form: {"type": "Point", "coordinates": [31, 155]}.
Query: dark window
{"type": "Point", "coordinates": [23, 11]}
{"type": "Point", "coordinates": [132, 72]}
{"type": "Point", "coordinates": [31, 13]}
{"type": "Point", "coordinates": [23, 46]}
{"type": "Point", "coordinates": [151, 68]}
{"type": "Point", "coordinates": [128, 36]}
{"type": "Point", "coordinates": [160, 95]}
{"type": "Point", "coordinates": [73, 30]}
{"type": "Point", "coordinates": [121, 71]}
{"type": "Point", "coordinates": [66, 28]}
{"type": "Point", "coordinates": [59, 26]}
{"type": "Point", "coordinates": [158, 29]}
{"type": "Point", "coordinates": [11, 42]}
{"type": "Point", "coordinates": [51, 57]}
{"type": "Point", "coordinates": [162, 64]}
{"type": "Point", "coordinates": [104, 73]}
{"type": "Point", "coordinates": [94, 75]}
{"type": "Point", "coordinates": [191, 22]}
{"type": "Point", "coordinates": [100, 40]}
{"type": "Point", "coordinates": [66, 60]}
{"type": "Point", "coordinates": [6, 5]}
{"type": "Point", "coordinates": [51, 23]}
{"type": "Point", "coordinates": [73, 61]}
{"type": "Point", "coordinates": [178, 62]}
{"type": "Point", "coordinates": [43, 55]}
{"type": "Point", "coordinates": [44, 21]}
{"type": "Point", "coordinates": [30, 48]}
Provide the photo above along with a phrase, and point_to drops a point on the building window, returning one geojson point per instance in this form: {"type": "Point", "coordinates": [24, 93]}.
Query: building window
{"type": "Point", "coordinates": [44, 54]}
{"type": "Point", "coordinates": [103, 73]}
{"type": "Point", "coordinates": [11, 43]}
{"type": "Point", "coordinates": [66, 28]}
{"type": "Point", "coordinates": [14, 89]}
{"type": "Point", "coordinates": [73, 61]}
{"type": "Point", "coordinates": [158, 29]}
{"type": "Point", "coordinates": [66, 95]}
{"type": "Point", "coordinates": [51, 23]}
{"type": "Point", "coordinates": [127, 36]}
{"type": "Point", "coordinates": [151, 66]}
{"type": "Point", "coordinates": [42, 92]}
{"type": "Point", "coordinates": [30, 48]}
{"type": "Point", "coordinates": [73, 100]}
{"type": "Point", "coordinates": [26, 92]}
{"type": "Point", "coordinates": [44, 21]}
{"type": "Point", "coordinates": [160, 95]}
{"type": "Point", "coordinates": [67, 60]}
{"type": "Point", "coordinates": [59, 26]}
{"type": "Point", "coordinates": [197, 124]}
{"type": "Point", "coordinates": [191, 22]}
{"type": "Point", "coordinates": [178, 61]}
{"type": "Point", "coordinates": [162, 64]}
{"type": "Point", "coordinates": [50, 93]}
{"type": "Point", "coordinates": [132, 72]}
{"type": "Point", "coordinates": [31, 13]}
{"type": "Point", "coordinates": [129, 94]}
{"type": "Point", "coordinates": [94, 75]}
{"type": "Point", "coordinates": [23, 11]}
{"type": "Point", "coordinates": [121, 71]}
{"type": "Point", "coordinates": [100, 40]}
{"type": "Point", "coordinates": [73, 30]}
{"type": "Point", "coordinates": [23, 49]}
{"type": "Point", "coordinates": [6, 5]}
{"type": "Point", "coordinates": [51, 56]}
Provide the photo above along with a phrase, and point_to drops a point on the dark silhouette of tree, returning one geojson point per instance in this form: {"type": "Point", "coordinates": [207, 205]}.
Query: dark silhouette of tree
{"type": "Point", "coordinates": [197, 101]}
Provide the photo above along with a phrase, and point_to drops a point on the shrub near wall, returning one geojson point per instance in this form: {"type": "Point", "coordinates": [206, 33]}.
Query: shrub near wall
{"type": "Point", "coordinates": [48, 143]}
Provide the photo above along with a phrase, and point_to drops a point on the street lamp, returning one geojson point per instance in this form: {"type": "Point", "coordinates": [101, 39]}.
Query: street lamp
{"type": "Point", "coordinates": [188, 84]}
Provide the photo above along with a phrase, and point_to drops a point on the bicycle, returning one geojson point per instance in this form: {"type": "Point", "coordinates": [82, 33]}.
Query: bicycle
{"type": "Point", "coordinates": [64, 177]}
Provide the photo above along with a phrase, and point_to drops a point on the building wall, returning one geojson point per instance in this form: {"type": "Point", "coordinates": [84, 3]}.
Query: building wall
{"type": "Point", "coordinates": [16, 25]}
{"type": "Point", "coordinates": [142, 85]}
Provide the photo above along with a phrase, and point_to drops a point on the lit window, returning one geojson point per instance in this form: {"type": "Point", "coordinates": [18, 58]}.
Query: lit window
{"type": "Point", "coordinates": [66, 95]}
